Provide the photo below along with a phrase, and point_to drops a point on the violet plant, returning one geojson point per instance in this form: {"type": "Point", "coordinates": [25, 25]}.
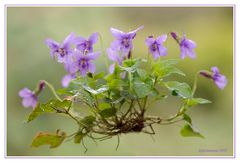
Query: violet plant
{"type": "Point", "coordinates": [117, 101]}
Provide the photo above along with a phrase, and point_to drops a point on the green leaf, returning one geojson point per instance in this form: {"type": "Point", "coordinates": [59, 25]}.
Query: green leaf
{"type": "Point", "coordinates": [104, 105]}
{"type": "Point", "coordinates": [78, 137]}
{"type": "Point", "coordinates": [62, 104]}
{"type": "Point", "coordinates": [188, 131]}
{"type": "Point", "coordinates": [182, 89]}
{"type": "Point", "coordinates": [88, 121]}
{"type": "Point", "coordinates": [99, 75]}
{"type": "Point", "coordinates": [142, 74]}
{"type": "Point", "coordinates": [141, 89]}
{"type": "Point", "coordinates": [64, 91]}
{"type": "Point", "coordinates": [106, 113]}
{"type": "Point", "coordinates": [100, 90]}
{"type": "Point", "coordinates": [54, 140]}
{"type": "Point", "coordinates": [187, 118]}
{"type": "Point", "coordinates": [35, 113]}
{"type": "Point", "coordinates": [49, 107]}
{"type": "Point", "coordinates": [85, 97]}
{"type": "Point", "coordinates": [165, 68]}
{"type": "Point", "coordinates": [128, 69]}
{"type": "Point", "coordinates": [116, 84]}
{"type": "Point", "coordinates": [195, 101]}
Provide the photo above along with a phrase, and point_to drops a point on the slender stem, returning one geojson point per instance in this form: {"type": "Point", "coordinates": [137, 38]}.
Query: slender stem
{"type": "Point", "coordinates": [129, 109]}
{"type": "Point", "coordinates": [118, 141]}
{"type": "Point", "coordinates": [139, 105]}
{"type": "Point", "coordinates": [145, 103]}
{"type": "Point", "coordinates": [195, 83]}
{"type": "Point", "coordinates": [101, 44]}
{"type": "Point", "coordinates": [53, 90]}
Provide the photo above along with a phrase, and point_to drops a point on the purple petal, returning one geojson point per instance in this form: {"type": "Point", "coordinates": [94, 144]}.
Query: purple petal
{"type": "Point", "coordinates": [149, 41]}
{"type": "Point", "coordinates": [221, 81]}
{"type": "Point", "coordinates": [191, 53]}
{"type": "Point", "coordinates": [215, 70]}
{"type": "Point", "coordinates": [91, 67]}
{"type": "Point", "coordinates": [81, 47]}
{"type": "Point", "coordinates": [66, 80]}
{"type": "Point", "coordinates": [161, 39]}
{"type": "Point", "coordinates": [191, 44]}
{"type": "Point", "coordinates": [61, 59]}
{"type": "Point", "coordinates": [31, 101]}
{"type": "Point", "coordinates": [53, 45]}
{"type": "Point", "coordinates": [111, 68]}
{"type": "Point", "coordinates": [93, 38]}
{"type": "Point", "coordinates": [162, 51]}
{"type": "Point", "coordinates": [116, 44]}
{"type": "Point", "coordinates": [93, 56]}
{"type": "Point", "coordinates": [125, 50]}
{"type": "Point", "coordinates": [71, 66]}
{"type": "Point", "coordinates": [25, 93]}
{"type": "Point", "coordinates": [79, 40]}
{"type": "Point", "coordinates": [117, 33]}
{"type": "Point", "coordinates": [68, 40]}
{"type": "Point", "coordinates": [113, 55]}
{"type": "Point", "coordinates": [133, 33]}
{"type": "Point", "coordinates": [83, 71]}
{"type": "Point", "coordinates": [187, 52]}
{"type": "Point", "coordinates": [155, 54]}
{"type": "Point", "coordinates": [34, 102]}
{"type": "Point", "coordinates": [77, 55]}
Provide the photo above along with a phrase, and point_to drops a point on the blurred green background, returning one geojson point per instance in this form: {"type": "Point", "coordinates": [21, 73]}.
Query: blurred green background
{"type": "Point", "coordinates": [28, 61]}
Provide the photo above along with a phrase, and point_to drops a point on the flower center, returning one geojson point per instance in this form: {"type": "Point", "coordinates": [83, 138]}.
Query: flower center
{"type": "Point", "coordinates": [83, 63]}
{"type": "Point", "coordinates": [154, 46]}
{"type": "Point", "coordinates": [87, 44]}
{"type": "Point", "coordinates": [125, 42]}
{"type": "Point", "coordinates": [62, 52]}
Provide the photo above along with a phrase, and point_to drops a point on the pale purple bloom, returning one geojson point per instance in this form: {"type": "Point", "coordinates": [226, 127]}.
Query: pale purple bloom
{"type": "Point", "coordinates": [61, 51]}
{"type": "Point", "coordinates": [114, 56]}
{"type": "Point", "coordinates": [156, 47]}
{"type": "Point", "coordinates": [86, 45]}
{"type": "Point", "coordinates": [219, 79]}
{"type": "Point", "coordinates": [82, 63]}
{"type": "Point", "coordinates": [186, 47]}
{"type": "Point", "coordinates": [28, 98]}
{"type": "Point", "coordinates": [67, 79]}
{"type": "Point", "coordinates": [123, 40]}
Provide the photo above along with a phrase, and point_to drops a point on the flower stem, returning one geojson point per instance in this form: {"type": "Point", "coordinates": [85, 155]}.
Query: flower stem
{"type": "Point", "coordinates": [195, 83]}
{"type": "Point", "coordinates": [53, 90]}
{"type": "Point", "coordinates": [102, 49]}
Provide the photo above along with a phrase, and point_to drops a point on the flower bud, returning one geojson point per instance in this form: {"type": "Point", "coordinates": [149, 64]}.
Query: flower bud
{"type": "Point", "coordinates": [41, 86]}
{"type": "Point", "coordinates": [206, 74]}
{"type": "Point", "coordinates": [174, 35]}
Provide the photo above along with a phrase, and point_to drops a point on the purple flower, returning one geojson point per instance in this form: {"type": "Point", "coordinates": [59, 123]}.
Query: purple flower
{"type": "Point", "coordinates": [186, 47]}
{"type": "Point", "coordinates": [219, 79]}
{"type": "Point", "coordinates": [28, 98]}
{"type": "Point", "coordinates": [156, 47]}
{"type": "Point", "coordinates": [82, 63]}
{"type": "Point", "coordinates": [61, 51]}
{"type": "Point", "coordinates": [114, 56]}
{"type": "Point", "coordinates": [123, 40]}
{"type": "Point", "coordinates": [86, 45]}
{"type": "Point", "coordinates": [67, 79]}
